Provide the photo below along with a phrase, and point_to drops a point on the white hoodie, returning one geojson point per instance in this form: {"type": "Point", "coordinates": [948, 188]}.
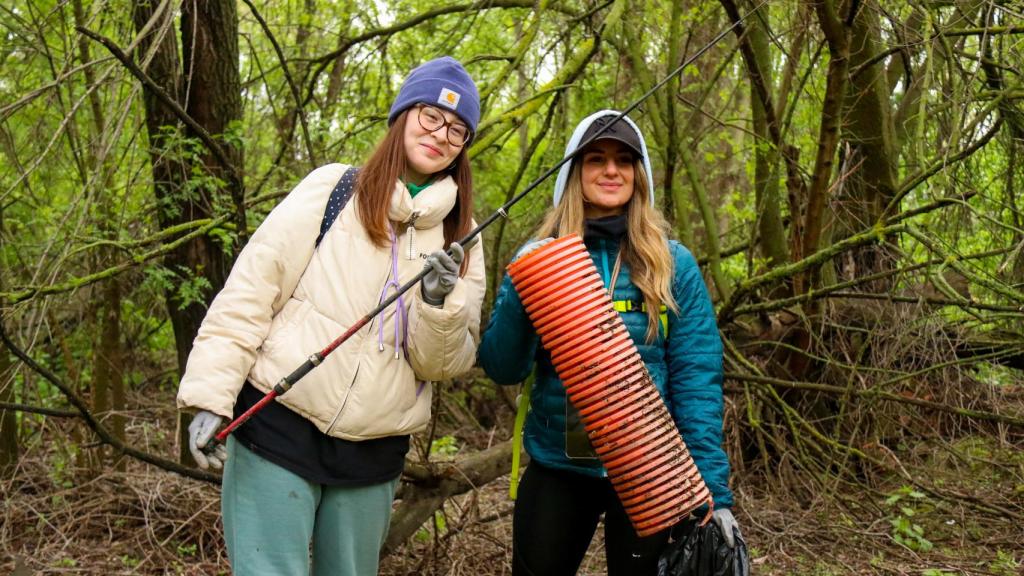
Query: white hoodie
{"type": "Point", "coordinates": [577, 138]}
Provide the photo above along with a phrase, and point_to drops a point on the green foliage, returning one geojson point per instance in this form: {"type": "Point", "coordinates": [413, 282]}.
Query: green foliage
{"type": "Point", "coordinates": [997, 375]}
{"type": "Point", "coordinates": [227, 239]}
{"type": "Point", "coordinates": [907, 503]}
{"type": "Point", "coordinates": [445, 446]}
{"type": "Point", "coordinates": [440, 525]}
{"type": "Point", "coordinates": [186, 286]}
{"type": "Point", "coordinates": [1006, 564]}
{"type": "Point", "coordinates": [192, 289]}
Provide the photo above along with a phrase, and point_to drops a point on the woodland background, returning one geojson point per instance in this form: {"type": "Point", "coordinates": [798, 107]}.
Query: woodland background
{"type": "Point", "coordinates": [849, 174]}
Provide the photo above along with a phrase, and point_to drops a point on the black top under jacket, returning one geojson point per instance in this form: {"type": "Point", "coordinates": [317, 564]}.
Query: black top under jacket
{"type": "Point", "coordinates": [287, 439]}
{"type": "Point", "coordinates": [609, 227]}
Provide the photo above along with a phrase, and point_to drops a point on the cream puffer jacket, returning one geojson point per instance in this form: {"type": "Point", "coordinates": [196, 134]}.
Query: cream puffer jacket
{"type": "Point", "coordinates": [285, 300]}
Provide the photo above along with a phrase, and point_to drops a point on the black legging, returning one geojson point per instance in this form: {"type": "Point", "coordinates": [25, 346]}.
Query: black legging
{"type": "Point", "coordinates": [555, 518]}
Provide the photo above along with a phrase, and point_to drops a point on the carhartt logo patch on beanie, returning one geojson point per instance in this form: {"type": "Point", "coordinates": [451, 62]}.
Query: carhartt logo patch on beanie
{"type": "Point", "coordinates": [442, 81]}
{"type": "Point", "coordinates": [449, 98]}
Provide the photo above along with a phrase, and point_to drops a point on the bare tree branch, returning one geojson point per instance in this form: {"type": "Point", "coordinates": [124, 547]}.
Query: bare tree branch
{"type": "Point", "coordinates": [325, 60]}
{"type": "Point", "coordinates": [150, 85]}
{"type": "Point", "coordinates": [23, 294]}
{"type": "Point", "coordinates": [728, 309]}
{"type": "Point", "coordinates": [299, 108]}
{"type": "Point", "coordinates": [38, 410]}
{"type": "Point", "coordinates": [105, 436]}
{"type": "Point", "coordinates": [879, 394]}
{"type": "Point", "coordinates": [419, 501]}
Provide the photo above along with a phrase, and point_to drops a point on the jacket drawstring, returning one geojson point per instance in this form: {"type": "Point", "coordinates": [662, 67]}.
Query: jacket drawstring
{"type": "Point", "coordinates": [401, 318]}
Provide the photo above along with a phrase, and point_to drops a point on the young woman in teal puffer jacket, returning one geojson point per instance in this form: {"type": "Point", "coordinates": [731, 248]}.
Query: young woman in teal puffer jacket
{"type": "Point", "coordinates": [606, 195]}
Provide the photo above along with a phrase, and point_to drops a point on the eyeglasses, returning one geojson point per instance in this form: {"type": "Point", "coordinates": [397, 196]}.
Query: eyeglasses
{"type": "Point", "coordinates": [431, 119]}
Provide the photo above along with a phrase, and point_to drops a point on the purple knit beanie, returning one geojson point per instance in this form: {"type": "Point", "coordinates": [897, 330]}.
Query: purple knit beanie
{"type": "Point", "coordinates": [441, 82]}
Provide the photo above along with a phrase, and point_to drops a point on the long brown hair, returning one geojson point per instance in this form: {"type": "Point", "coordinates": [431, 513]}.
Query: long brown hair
{"type": "Point", "coordinates": [376, 183]}
{"type": "Point", "coordinates": [644, 249]}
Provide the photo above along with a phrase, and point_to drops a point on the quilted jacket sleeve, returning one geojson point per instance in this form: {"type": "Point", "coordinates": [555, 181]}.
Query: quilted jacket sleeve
{"type": "Point", "coordinates": [510, 343]}
{"type": "Point", "coordinates": [694, 355]}
{"type": "Point", "coordinates": [261, 281]}
{"type": "Point", "coordinates": [443, 340]}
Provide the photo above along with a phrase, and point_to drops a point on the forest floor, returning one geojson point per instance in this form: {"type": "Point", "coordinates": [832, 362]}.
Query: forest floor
{"type": "Point", "coordinates": [145, 521]}
{"type": "Point", "coordinates": [60, 518]}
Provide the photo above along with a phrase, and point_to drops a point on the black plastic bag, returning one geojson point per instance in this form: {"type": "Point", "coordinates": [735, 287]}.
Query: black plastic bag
{"type": "Point", "coordinates": [701, 551]}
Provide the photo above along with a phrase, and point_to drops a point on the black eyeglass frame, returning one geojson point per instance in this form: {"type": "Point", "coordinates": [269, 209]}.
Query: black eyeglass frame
{"type": "Point", "coordinates": [445, 123]}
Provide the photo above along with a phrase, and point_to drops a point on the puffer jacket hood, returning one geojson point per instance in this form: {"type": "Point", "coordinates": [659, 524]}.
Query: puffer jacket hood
{"type": "Point", "coordinates": [577, 137]}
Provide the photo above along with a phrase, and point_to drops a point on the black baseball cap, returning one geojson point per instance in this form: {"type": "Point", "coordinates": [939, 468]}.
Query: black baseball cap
{"type": "Point", "coordinates": [620, 131]}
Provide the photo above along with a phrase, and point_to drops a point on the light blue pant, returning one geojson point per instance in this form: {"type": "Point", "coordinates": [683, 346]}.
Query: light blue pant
{"type": "Point", "coordinates": [271, 515]}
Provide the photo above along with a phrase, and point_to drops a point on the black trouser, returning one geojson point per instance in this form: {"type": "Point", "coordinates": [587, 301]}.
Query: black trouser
{"type": "Point", "coordinates": [555, 518]}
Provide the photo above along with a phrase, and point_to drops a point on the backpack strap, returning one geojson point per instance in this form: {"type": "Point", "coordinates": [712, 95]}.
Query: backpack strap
{"type": "Point", "coordinates": [635, 306]}
{"type": "Point", "coordinates": [339, 197]}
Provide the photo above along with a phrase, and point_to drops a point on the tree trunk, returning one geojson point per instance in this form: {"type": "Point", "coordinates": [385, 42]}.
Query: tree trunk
{"type": "Point", "coordinates": [837, 36]}
{"type": "Point", "coordinates": [108, 380]}
{"type": "Point", "coordinates": [211, 94]}
{"type": "Point", "coordinates": [867, 176]}
{"type": "Point", "coordinates": [666, 132]}
{"type": "Point", "coordinates": [420, 500]}
{"type": "Point", "coordinates": [771, 234]}
{"type": "Point", "coordinates": [8, 421]}
{"type": "Point", "coordinates": [807, 237]}
{"type": "Point", "coordinates": [672, 132]}
{"type": "Point", "coordinates": [213, 97]}
{"type": "Point", "coordinates": [108, 391]}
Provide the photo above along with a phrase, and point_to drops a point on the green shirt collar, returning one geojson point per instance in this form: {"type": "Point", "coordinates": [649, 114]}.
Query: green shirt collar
{"type": "Point", "coordinates": [414, 189]}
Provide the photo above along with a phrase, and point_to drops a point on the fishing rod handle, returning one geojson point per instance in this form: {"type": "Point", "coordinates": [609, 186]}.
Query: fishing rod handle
{"type": "Point", "coordinates": [280, 388]}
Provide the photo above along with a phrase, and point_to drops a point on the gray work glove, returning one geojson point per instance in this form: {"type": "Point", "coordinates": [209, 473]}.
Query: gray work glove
{"type": "Point", "coordinates": [531, 247]}
{"type": "Point", "coordinates": [726, 524]}
{"type": "Point", "coordinates": [200, 431]}
{"type": "Point", "coordinates": [444, 271]}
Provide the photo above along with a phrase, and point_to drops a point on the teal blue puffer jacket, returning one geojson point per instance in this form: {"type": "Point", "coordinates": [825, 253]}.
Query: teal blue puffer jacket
{"type": "Point", "coordinates": [686, 367]}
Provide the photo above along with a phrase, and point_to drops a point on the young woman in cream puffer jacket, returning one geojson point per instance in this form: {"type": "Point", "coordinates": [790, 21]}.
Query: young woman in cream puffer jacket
{"type": "Point", "coordinates": [319, 466]}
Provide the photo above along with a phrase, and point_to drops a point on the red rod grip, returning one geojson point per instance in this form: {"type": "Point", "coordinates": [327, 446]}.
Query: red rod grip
{"type": "Point", "coordinates": [222, 436]}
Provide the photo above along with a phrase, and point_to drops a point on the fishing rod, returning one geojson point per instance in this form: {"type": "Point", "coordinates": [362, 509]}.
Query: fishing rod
{"type": "Point", "coordinates": [466, 243]}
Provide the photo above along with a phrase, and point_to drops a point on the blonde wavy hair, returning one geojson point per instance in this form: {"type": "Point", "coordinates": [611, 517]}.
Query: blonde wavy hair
{"type": "Point", "coordinates": [644, 249]}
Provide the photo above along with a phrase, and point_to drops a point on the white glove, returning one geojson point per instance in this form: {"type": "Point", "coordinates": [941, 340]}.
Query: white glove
{"type": "Point", "coordinates": [200, 431]}
{"type": "Point", "coordinates": [726, 524]}
{"type": "Point", "coordinates": [444, 272]}
{"type": "Point", "coordinates": [531, 247]}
